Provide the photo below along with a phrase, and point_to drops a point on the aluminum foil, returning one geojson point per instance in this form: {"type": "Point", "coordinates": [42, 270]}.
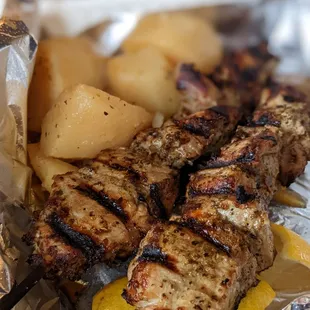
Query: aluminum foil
{"type": "Point", "coordinates": [17, 52]}
{"type": "Point", "coordinates": [17, 55]}
{"type": "Point", "coordinates": [240, 22]}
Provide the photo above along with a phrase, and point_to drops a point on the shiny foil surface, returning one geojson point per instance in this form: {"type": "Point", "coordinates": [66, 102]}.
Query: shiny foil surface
{"type": "Point", "coordinates": [284, 23]}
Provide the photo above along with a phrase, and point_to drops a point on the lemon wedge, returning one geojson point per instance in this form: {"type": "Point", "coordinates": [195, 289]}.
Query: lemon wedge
{"type": "Point", "coordinates": [109, 298]}
{"type": "Point", "coordinates": [290, 271]}
{"type": "Point", "coordinates": [258, 297]}
{"type": "Point", "coordinates": [286, 196]}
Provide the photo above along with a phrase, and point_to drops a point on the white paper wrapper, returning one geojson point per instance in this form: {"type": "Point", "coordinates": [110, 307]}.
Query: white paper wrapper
{"type": "Point", "coordinates": [283, 22]}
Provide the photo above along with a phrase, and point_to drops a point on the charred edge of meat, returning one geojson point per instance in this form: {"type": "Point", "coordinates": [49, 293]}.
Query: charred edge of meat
{"type": "Point", "coordinates": [127, 297]}
{"type": "Point", "coordinates": [270, 138]}
{"type": "Point", "coordinates": [260, 51]}
{"type": "Point", "coordinates": [196, 125]}
{"type": "Point", "coordinates": [224, 110]}
{"type": "Point", "coordinates": [89, 248]}
{"type": "Point", "coordinates": [290, 94]}
{"type": "Point", "coordinates": [104, 200]}
{"type": "Point", "coordinates": [189, 74]}
{"type": "Point", "coordinates": [185, 173]}
{"type": "Point", "coordinates": [141, 198]}
{"type": "Point", "coordinates": [153, 254]}
{"type": "Point", "coordinates": [263, 120]}
{"type": "Point", "coordinates": [133, 173]}
{"type": "Point", "coordinates": [155, 196]}
{"type": "Point", "coordinates": [243, 196]}
{"type": "Point", "coordinates": [35, 260]}
{"type": "Point", "coordinates": [210, 191]}
{"type": "Point", "coordinates": [249, 74]}
{"type": "Point", "coordinates": [199, 229]}
{"type": "Point", "coordinates": [28, 238]}
{"type": "Point", "coordinates": [243, 159]}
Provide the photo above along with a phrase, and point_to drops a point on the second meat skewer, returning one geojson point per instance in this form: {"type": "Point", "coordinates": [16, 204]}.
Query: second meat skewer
{"type": "Point", "coordinates": [208, 256]}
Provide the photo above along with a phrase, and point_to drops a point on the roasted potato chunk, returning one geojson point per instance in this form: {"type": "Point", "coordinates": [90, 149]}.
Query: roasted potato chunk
{"type": "Point", "coordinates": [46, 167]}
{"type": "Point", "coordinates": [182, 37]}
{"type": "Point", "coordinates": [86, 120]}
{"type": "Point", "coordinates": [144, 78]}
{"type": "Point", "coordinates": [61, 63]}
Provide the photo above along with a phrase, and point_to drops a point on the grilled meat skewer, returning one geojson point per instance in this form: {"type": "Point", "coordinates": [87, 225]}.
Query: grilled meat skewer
{"type": "Point", "coordinates": [240, 77]}
{"type": "Point", "coordinates": [102, 211]}
{"type": "Point", "coordinates": [208, 256]}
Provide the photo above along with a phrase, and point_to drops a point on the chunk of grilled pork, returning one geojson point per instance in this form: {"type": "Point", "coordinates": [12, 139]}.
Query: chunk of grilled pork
{"type": "Point", "coordinates": [180, 142]}
{"type": "Point", "coordinates": [102, 211]}
{"type": "Point", "coordinates": [225, 210]}
{"type": "Point", "coordinates": [176, 268]}
{"type": "Point", "coordinates": [291, 108]}
{"type": "Point", "coordinates": [197, 92]}
{"type": "Point", "coordinates": [247, 71]}
{"type": "Point", "coordinates": [241, 76]}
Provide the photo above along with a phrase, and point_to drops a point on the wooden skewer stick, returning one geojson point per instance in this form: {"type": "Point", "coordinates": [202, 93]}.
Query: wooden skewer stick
{"type": "Point", "coordinates": [20, 290]}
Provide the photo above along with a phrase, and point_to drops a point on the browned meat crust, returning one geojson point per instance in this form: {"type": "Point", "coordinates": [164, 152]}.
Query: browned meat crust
{"type": "Point", "coordinates": [102, 211]}
{"type": "Point", "coordinates": [199, 92]}
{"type": "Point", "coordinates": [293, 110]}
{"type": "Point", "coordinates": [246, 71]}
{"type": "Point", "coordinates": [180, 142]}
{"type": "Point", "coordinates": [176, 268]}
{"type": "Point", "coordinates": [226, 209]}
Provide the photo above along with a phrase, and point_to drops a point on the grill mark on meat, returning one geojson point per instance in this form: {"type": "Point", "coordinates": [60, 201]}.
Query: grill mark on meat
{"type": "Point", "coordinates": [222, 110]}
{"type": "Point", "coordinates": [133, 173]}
{"type": "Point", "coordinates": [104, 200]}
{"type": "Point", "coordinates": [270, 138]}
{"type": "Point", "coordinates": [243, 196]}
{"type": "Point", "coordinates": [210, 191]}
{"type": "Point", "coordinates": [249, 74]}
{"type": "Point", "coordinates": [261, 51]}
{"type": "Point", "coordinates": [80, 241]}
{"type": "Point", "coordinates": [141, 198]}
{"type": "Point", "coordinates": [153, 254]}
{"type": "Point", "coordinates": [243, 159]}
{"type": "Point", "coordinates": [289, 98]}
{"type": "Point", "coordinates": [264, 119]}
{"type": "Point", "coordinates": [155, 196]}
{"type": "Point", "coordinates": [198, 125]}
{"type": "Point", "coordinates": [199, 229]}
{"type": "Point", "coordinates": [290, 94]}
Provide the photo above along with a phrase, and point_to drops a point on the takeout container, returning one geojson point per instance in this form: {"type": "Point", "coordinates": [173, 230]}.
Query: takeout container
{"type": "Point", "coordinates": [283, 23]}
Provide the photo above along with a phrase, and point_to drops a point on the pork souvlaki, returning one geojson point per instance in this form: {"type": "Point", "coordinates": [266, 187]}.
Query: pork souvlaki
{"type": "Point", "coordinates": [208, 256]}
{"type": "Point", "coordinates": [102, 211]}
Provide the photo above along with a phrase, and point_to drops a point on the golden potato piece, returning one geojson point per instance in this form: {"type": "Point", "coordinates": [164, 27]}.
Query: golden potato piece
{"type": "Point", "coordinates": [61, 63]}
{"type": "Point", "coordinates": [181, 37]}
{"type": "Point", "coordinates": [144, 78]}
{"type": "Point", "coordinates": [46, 167]}
{"type": "Point", "coordinates": [86, 120]}
{"type": "Point", "coordinates": [109, 298]}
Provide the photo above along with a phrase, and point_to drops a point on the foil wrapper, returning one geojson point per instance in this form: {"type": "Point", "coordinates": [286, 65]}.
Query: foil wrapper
{"type": "Point", "coordinates": [17, 52]}
{"type": "Point", "coordinates": [240, 22]}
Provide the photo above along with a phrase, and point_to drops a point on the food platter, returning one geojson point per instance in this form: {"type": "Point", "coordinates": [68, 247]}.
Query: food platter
{"type": "Point", "coordinates": [192, 149]}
